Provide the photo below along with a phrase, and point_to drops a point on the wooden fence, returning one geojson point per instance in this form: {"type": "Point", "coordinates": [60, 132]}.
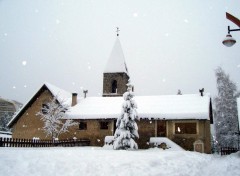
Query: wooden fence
{"type": "Point", "coordinates": [228, 150]}
{"type": "Point", "coordinates": [10, 142]}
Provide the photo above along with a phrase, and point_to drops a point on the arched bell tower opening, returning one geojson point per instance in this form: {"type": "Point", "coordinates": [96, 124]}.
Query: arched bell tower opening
{"type": "Point", "coordinates": [114, 86]}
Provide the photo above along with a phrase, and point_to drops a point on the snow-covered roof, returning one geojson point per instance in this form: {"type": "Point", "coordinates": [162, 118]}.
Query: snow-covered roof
{"type": "Point", "coordinates": [116, 62]}
{"type": "Point", "coordinates": [191, 106]}
{"type": "Point", "coordinates": [60, 94]}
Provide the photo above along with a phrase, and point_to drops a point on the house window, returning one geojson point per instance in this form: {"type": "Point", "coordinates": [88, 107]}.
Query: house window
{"type": "Point", "coordinates": [114, 86]}
{"type": "Point", "coordinates": [45, 108]}
{"type": "Point", "coordinates": [103, 125]}
{"type": "Point", "coordinates": [83, 126]}
{"type": "Point", "coordinates": [185, 128]}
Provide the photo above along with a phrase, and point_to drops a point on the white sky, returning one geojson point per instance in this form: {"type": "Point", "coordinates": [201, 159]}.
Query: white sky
{"type": "Point", "coordinates": [168, 45]}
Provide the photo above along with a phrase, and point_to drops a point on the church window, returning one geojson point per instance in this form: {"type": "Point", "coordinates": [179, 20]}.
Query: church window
{"type": "Point", "coordinates": [45, 108]}
{"type": "Point", "coordinates": [185, 128]}
{"type": "Point", "coordinates": [114, 86]}
{"type": "Point", "coordinates": [83, 126]}
{"type": "Point", "coordinates": [103, 125]}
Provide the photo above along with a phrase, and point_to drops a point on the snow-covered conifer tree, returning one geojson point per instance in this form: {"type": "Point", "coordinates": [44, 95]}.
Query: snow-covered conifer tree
{"type": "Point", "coordinates": [54, 118]}
{"type": "Point", "coordinates": [226, 120]}
{"type": "Point", "coordinates": [127, 129]}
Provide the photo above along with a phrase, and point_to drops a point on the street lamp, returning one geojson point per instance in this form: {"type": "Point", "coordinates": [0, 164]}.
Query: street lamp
{"type": "Point", "coordinates": [229, 40]}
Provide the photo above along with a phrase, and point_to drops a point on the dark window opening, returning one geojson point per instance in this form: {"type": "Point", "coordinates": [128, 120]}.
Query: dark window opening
{"type": "Point", "coordinates": [83, 126]}
{"type": "Point", "coordinates": [45, 108]}
{"type": "Point", "coordinates": [103, 125]}
{"type": "Point", "coordinates": [185, 128]}
{"type": "Point", "coordinates": [114, 86]}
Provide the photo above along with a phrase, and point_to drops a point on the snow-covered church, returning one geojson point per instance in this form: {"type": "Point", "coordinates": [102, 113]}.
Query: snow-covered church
{"type": "Point", "coordinates": [184, 119]}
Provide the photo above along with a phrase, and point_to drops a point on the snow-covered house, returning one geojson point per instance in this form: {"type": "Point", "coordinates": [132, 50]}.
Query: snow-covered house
{"type": "Point", "coordinates": [183, 119]}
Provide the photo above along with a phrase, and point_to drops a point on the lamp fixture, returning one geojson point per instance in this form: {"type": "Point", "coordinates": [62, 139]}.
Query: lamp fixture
{"type": "Point", "coordinates": [229, 40]}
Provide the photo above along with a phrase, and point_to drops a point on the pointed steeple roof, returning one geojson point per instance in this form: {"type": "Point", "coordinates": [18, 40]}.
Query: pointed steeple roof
{"type": "Point", "coordinates": [116, 62]}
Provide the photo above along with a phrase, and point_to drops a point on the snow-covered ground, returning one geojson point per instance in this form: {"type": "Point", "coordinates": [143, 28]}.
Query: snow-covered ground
{"type": "Point", "coordinates": [101, 161]}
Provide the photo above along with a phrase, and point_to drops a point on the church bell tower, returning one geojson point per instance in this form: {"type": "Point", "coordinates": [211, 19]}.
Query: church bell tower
{"type": "Point", "coordinates": [115, 76]}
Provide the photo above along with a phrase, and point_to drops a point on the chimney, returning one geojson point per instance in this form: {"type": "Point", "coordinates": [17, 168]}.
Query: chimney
{"type": "Point", "coordinates": [201, 91]}
{"type": "Point", "coordinates": [85, 93]}
{"type": "Point", "coordinates": [74, 99]}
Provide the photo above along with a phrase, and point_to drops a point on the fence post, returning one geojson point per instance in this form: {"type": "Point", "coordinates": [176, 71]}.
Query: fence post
{"type": "Point", "coordinates": [1, 142]}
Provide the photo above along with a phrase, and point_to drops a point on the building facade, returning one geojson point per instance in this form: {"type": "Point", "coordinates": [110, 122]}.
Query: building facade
{"type": "Point", "coordinates": [184, 119]}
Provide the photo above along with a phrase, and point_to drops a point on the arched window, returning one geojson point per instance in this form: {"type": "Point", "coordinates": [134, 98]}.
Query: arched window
{"type": "Point", "coordinates": [114, 86]}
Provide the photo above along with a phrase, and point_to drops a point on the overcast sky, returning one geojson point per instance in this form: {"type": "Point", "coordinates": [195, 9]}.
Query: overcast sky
{"type": "Point", "coordinates": [168, 44]}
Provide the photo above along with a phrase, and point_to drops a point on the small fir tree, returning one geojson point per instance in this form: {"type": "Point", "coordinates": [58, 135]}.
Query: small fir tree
{"type": "Point", "coordinates": [127, 129]}
{"type": "Point", "coordinates": [225, 114]}
{"type": "Point", "coordinates": [54, 118]}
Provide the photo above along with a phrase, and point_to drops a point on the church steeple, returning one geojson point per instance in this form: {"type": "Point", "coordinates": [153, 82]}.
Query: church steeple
{"type": "Point", "coordinates": [115, 76]}
{"type": "Point", "coordinates": [116, 62]}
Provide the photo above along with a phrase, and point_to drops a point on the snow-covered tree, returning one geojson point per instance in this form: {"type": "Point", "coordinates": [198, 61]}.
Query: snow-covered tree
{"type": "Point", "coordinates": [226, 118]}
{"type": "Point", "coordinates": [127, 129]}
{"type": "Point", "coordinates": [4, 121]}
{"type": "Point", "coordinates": [54, 118]}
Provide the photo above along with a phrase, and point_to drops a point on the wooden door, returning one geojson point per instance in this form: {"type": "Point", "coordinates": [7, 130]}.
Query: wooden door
{"type": "Point", "coordinates": [161, 128]}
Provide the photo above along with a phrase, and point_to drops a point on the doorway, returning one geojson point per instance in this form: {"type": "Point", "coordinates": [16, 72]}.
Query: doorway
{"type": "Point", "coordinates": [161, 128]}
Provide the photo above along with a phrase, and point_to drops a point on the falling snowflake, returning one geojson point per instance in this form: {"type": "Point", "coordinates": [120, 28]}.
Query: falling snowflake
{"type": "Point", "coordinates": [25, 86]}
{"type": "Point", "coordinates": [89, 66]}
{"type": "Point", "coordinates": [14, 87]}
{"type": "Point", "coordinates": [36, 10]}
{"type": "Point", "coordinates": [5, 34]}
{"type": "Point", "coordinates": [73, 83]}
{"type": "Point", "coordinates": [57, 21]}
{"type": "Point", "coordinates": [163, 80]}
{"type": "Point", "coordinates": [135, 14]}
{"type": "Point", "coordinates": [186, 21]}
{"type": "Point", "coordinates": [24, 63]}
{"type": "Point", "coordinates": [238, 66]}
{"type": "Point", "coordinates": [166, 34]}
{"type": "Point", "coordinates": [81, 88]}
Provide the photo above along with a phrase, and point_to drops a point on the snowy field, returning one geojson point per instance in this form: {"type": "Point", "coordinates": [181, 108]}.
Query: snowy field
{"type": "Point", "coordinates": [86, 161]}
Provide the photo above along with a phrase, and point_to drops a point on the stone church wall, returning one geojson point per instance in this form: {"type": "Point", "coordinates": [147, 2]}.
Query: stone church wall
{"type": "Point", "coordinates": [122, 80]}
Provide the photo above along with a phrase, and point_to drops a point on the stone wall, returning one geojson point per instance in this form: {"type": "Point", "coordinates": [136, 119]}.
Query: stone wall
{"type": "Point", "coordinates": [93, 132]}
{"type": "Point", "coordinates": [29, 125]}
